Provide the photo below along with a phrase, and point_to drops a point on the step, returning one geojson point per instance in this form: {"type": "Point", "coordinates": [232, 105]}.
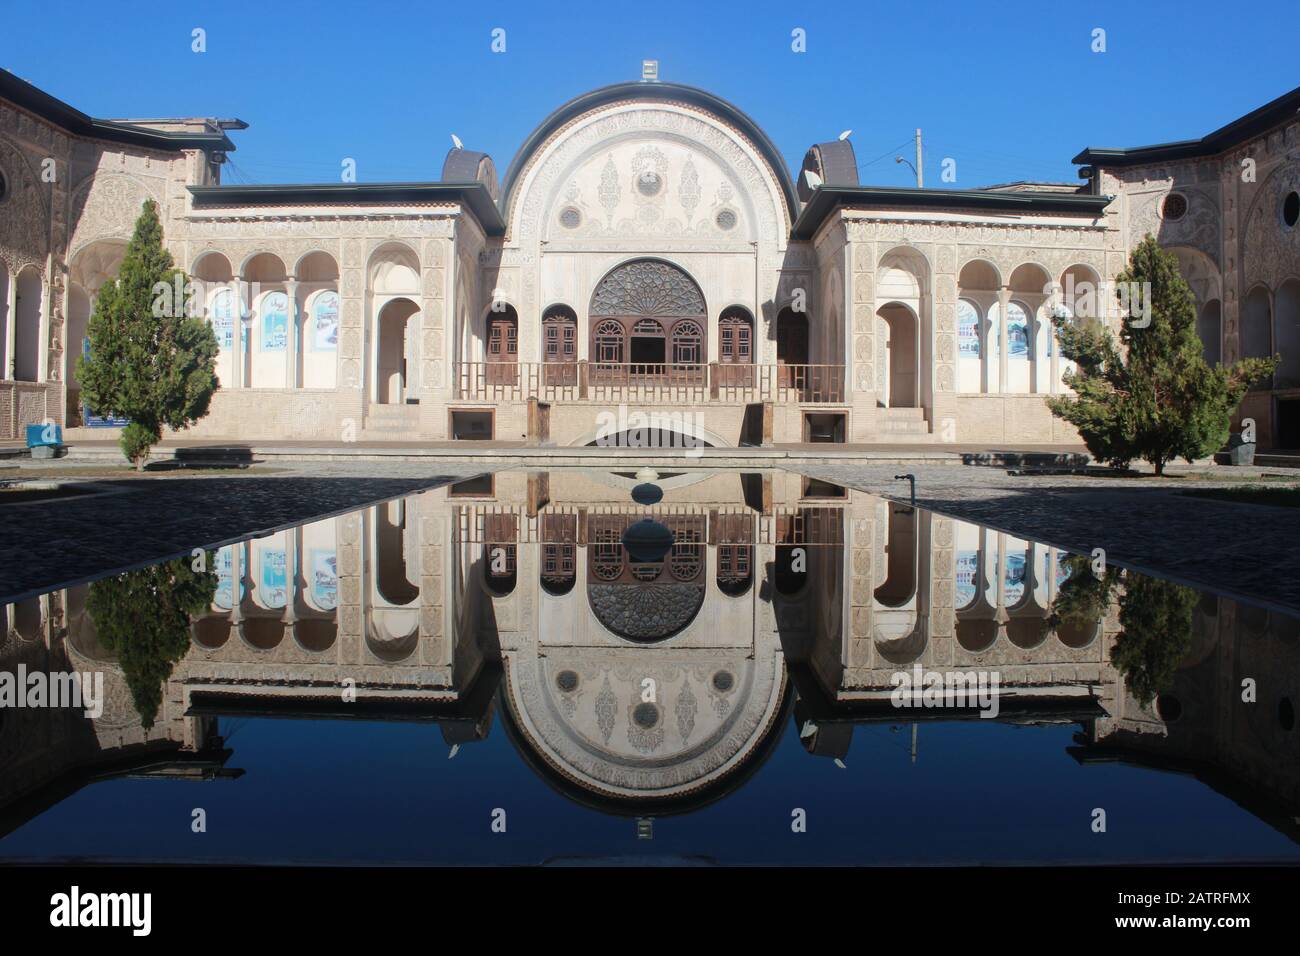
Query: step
{"type": "Point", "coordinates": [901, 413]}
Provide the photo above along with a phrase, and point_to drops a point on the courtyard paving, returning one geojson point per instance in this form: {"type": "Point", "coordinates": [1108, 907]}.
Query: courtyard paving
{"type": "Point", "coordinates": [138, 521]}
{"type": "Point", "coordinates": [1248, 551]}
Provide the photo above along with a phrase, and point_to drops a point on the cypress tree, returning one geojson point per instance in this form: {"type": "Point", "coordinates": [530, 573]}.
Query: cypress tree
{"type": "Point", "coordinates": [1151, 395]}
{"type": "Point", "coordinates": [144, 618]}
{"type": "Point", "coordinates": [152, 360]}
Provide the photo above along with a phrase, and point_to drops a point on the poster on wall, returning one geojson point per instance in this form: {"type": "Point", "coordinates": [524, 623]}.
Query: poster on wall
{"type": "Point", "coordinates": [222, 316]}
{"type": "Point", "coordinates": [275, 322]}
{"type": "Point", "coordinates": [1017, 332]}
{"type": "Point", "coordinates": [1014, 586]}
{"type": "Point", "coordinates": [968, 331]}
{"type": "Point", "coordinates": [324, 579]}
{"type": "Point", "coordinates": [274, 587]}
{"type": "Point", "coordinates": [967, 568]}
{"type": "Point", "coordinates": [326, 326]}
{"type": "Point", "coordinates": [224, 597]}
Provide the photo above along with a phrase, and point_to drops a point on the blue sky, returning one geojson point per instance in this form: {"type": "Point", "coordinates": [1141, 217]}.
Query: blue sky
{"type": "Point", "coordinates": [1009, 89]}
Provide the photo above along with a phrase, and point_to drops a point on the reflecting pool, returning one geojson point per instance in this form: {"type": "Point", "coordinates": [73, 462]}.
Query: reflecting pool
{"type": "Point", "coordinates": [521, 669]}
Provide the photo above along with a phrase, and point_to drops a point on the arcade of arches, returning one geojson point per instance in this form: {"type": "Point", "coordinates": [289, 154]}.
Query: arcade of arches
{"type": "Point", "coordinates": [649, 248]}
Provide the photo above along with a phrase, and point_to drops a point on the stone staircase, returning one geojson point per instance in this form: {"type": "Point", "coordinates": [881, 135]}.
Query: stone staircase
{"type": "Point", "coordinates": [391, 423]}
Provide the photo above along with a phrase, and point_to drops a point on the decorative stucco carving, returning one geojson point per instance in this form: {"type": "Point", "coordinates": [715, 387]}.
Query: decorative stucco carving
{"type": "Point", "coordinates": [1270, 251]}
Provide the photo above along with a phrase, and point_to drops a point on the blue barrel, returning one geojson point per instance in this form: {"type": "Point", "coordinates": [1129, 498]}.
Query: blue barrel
{"type": "Point", "coordinates": [41, 435]}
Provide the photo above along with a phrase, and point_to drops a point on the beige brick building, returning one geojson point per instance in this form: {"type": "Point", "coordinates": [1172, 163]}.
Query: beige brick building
{"type": "Point", "coordinates": [647, 247]}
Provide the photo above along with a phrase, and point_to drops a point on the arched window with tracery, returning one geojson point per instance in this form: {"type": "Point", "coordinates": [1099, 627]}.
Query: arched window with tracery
{"type": "Point", "coordinates": [606, 550]}
{"type": "Point", "coordinates": [688, 349]}
{"type": "Point", "coordinates": [661, 313]}
{"type": "Point", "coordinates": [686, 559]}
{"type": "Point", "coordinates": [607, 342]}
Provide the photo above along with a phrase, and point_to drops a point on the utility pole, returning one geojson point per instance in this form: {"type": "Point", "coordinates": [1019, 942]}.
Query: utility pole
{"type": "Point", "coordinates": [919, 181]}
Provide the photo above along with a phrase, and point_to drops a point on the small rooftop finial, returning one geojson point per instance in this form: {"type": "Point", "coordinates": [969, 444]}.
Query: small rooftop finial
{"type": "Point", "coordinates": [650, 71]}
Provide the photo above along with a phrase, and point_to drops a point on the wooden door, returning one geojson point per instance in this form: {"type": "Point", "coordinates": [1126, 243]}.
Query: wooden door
{"type": "Point", "coordinates": [503, 350]}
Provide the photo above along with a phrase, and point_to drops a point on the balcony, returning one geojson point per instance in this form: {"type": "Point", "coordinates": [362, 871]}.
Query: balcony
{"type": "Point", "coordinates": [601, 382]}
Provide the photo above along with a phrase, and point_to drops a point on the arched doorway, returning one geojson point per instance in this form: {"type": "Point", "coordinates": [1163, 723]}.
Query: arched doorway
{"type": "Point", "coordinates": [901, 355]}
{"type": "Point", "coordinates": [27, 327]}
{"type": "Point", "coordinates": [394, 355]}
{"type": "Point", "coordinates": [648, 324]}
{"type": "Point", "coordinates": [736, 346]}
{"type": "Point", "coordinates": [560, 345]}
{"type": "Point", "coordinates": [1257, 331]}
{"type": "Point", "coordinates": [503, 347]}
{"type": "Point", "coordinates": [791, 347]}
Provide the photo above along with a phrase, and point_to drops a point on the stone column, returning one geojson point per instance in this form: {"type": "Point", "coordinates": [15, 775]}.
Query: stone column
{"type": "Point", "coordinates": [11, 325]}
{"type": "Point", "coordinates": [1004, 299]}
{"type": "Point", "coordinates": [43, 327]}
{"type": "Point", "coordinates": [237, 334]}
{"type": "Point", "coordinates": [292, 345]}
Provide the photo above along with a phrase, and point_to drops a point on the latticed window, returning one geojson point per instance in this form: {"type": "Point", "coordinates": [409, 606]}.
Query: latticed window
{"type": "Point", "coordinates": [499, 534]}
{"type": "Point", "coordinates": [606, 551]}
{"type": "Point", "coordinates": [503, 337]}
{"type": "Point", "coordinates": [688, 342]}
{"type": "Point", "coordinates": [559, 552]}
{"type": "Point", "coordinates": [558, 561]}
{"type": "Point", "coordinates": [734, 563]}
{"type": "Point", "coordinates": [560, 335]}
{"type": "Point", "coordinates": [736, 337]}
{"type": "Point", "coordinates": [609, 337]}
{"type": "Point", "coordinates": [687, 557]}
{"type": "Point", "coordinates": [649, 300]}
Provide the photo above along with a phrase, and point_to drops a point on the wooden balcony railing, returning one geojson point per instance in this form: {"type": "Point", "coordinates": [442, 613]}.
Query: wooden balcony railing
{"type": "Point", "coordinates": [639, 382]}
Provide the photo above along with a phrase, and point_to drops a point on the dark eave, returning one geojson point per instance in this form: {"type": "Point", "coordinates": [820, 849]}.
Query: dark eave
{"type": "Point", "coordinates": [825, 199]}
{"type": "Point", "coordinates": [473, 195]}
{"type": "Point", "coordinates": [24, 95]}
{"type": "Point", "coordinates": [1284, 108]}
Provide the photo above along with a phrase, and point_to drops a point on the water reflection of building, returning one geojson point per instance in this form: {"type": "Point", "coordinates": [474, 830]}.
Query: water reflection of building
{"type": "Point", "coordinates": [648, 687]}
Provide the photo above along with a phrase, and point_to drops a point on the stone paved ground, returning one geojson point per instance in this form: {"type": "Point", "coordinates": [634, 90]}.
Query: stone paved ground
{"type": "Point", "coordinates": [47, 544]}
{"type": "Point", "coordinates": [1242, 550]}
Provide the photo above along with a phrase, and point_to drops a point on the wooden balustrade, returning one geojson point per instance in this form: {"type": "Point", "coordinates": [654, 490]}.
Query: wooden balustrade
{"type": "Point", "coordinates": [655, 383]}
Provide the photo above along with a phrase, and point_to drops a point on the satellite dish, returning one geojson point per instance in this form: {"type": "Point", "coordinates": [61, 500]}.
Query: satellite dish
{"type": "Point", "coordinates": [846, 134]}
{"type": "Point", "coordinates": [456, 141]}
{"type": "Point", "coordinates": [812, 179]}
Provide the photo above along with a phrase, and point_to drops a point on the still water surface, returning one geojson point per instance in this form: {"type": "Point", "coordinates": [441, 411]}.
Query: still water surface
{"type": "Point", "coordinates": [501, 672]}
